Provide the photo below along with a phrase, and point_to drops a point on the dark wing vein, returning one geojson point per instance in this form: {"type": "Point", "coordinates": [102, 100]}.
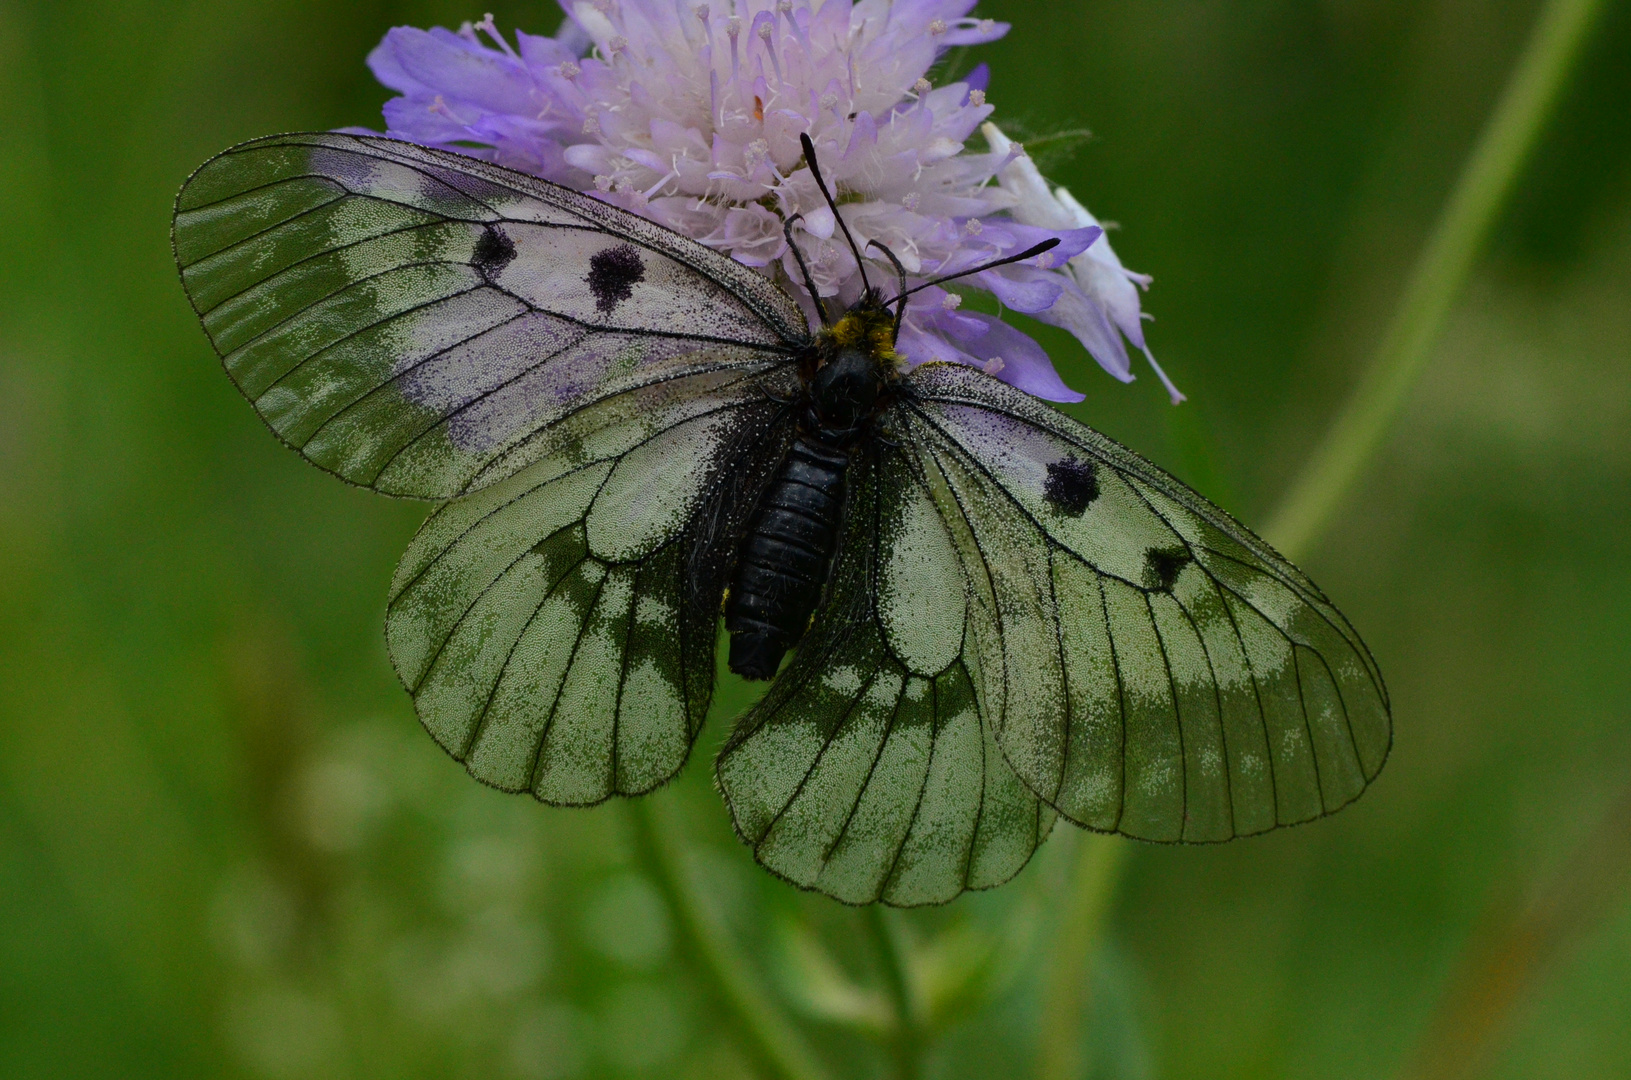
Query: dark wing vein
{"type": "Point", "coordinates": [1177, 717]}
{"type": "Point", "coordinates": [555, 705]}
{"type": "Point", "coordinates": [361, 330]}
{"type": "Point", "coordinates": [498, 680]}
{"type": "Point", "coordinates": [1217, 697]}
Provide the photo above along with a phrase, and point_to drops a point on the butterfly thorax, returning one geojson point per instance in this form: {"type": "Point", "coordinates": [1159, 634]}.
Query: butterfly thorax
{"type": "Point", "coordinates": [848, 371]}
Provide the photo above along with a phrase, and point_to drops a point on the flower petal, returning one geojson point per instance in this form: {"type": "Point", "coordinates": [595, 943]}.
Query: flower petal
{"type": "Point", "coordinates": [1023, 288]}
{"type": "Point", "coordinates": [1024, 363]}
{"type": "Point", "coordinates": [1086, 318]}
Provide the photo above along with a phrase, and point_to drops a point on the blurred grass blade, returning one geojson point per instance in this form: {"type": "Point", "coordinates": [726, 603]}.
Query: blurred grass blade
{"type": "Point", "coordinates": [814, 980]}
{"type": "Point", "coordinates": [905, 1038]}
{"type": "Point", "coordinates": [1517, 943]}
{"type": "Point", "coordinates": [1487, 179]}
{"type": "Point", "coordinates": [1093, 879]}
{"type": "Point", "coordinates": [964, 965]}
{"type": "Point", "coordinates": [772, 1037]}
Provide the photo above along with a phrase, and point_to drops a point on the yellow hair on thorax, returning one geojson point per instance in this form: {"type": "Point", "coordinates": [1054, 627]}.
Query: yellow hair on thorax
{"type": "Point", "coordinates": [871, 329]}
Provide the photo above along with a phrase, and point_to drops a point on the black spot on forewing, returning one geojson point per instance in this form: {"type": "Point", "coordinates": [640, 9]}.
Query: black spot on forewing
{"type": "Point", "coordinates": [493, 251]}
{"type": "Point", "coordinates": [613, 273]}
{"type": "Point", "coordinates": [1072, 485]}
{"type": "Point", "coordinates": [1162, 567]}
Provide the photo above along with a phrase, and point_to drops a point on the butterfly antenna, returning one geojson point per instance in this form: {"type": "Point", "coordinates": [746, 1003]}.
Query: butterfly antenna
{"type": "Point", "coordinates": [815, 171]}
{"type": "Point", "coordinates": [900, 290]}
{"type": "Point", "coordinates": [804, 268]}
{"type": "Point", "coordinates": [1030, 252]}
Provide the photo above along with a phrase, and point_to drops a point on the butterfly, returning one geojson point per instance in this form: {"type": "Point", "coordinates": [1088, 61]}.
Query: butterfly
{"type": "Point", "coordinates": [996, 616]}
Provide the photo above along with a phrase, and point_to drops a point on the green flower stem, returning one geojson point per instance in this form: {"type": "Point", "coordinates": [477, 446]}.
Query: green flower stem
{"type": "Point", "coordinates": [1508, 140]}
{"type": "Point", "coordinates": [906, 1037]}
{"type": "Point", "coordinates": [1487, 179]}
{"type": "Point", "coordinates": [1093, 880]}
{"type": "Point", "coordinates": [771, 1037]}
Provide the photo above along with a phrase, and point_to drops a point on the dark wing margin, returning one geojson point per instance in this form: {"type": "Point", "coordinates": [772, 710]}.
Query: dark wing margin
{"type": "Point", "coordinates": [556, 629]}
{"type": "Point", "coordinates": [409, 319]}
{"type": "Point", "coordinates": [865, 774]}
{"type": "Point", "coordinates": [1164, 673]}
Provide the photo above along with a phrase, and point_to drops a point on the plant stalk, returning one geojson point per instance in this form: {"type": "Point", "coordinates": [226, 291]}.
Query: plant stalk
{"type": "Point", "coordinates": [1486, 181]}
{"type": "Point", "coordinates": [1093, 880]}
{"type": "Point", "coordinates": [1504, 148]}
{"type": "Point", "coordinates": [906, 1037]}
{"type": "Point", "coordinates": [771, 1037]}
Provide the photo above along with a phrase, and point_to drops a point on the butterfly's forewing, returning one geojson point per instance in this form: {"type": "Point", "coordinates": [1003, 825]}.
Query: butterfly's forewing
{"type": "Point", "coordinates": [556, 629]}
{"type": "Point", "coordinates": [1157, 670]}
{"type": "Point", "coordinates": [412, 320]}
{"type": "Point", "coordinates": [871, 773]}
{"type": "Point", "coordinates": [588, 388]}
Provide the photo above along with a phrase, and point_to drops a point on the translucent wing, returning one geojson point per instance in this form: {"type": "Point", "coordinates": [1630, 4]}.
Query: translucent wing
{"type": "Point", "coordinates": [556, 629]}
{"type": "Point", "coordinates": [1156, 669]}
{"type": "Point", "coordinates": [411, 319]}
{"type": "Point", "coordinates": [872, 775]}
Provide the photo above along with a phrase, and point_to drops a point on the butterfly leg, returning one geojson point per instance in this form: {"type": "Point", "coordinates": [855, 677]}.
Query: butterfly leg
{"type": "Point", "coordinates": [783, 402]}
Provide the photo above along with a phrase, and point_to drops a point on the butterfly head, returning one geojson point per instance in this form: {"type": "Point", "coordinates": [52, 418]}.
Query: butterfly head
{"type": "Point", "coordinates": [851, 366]}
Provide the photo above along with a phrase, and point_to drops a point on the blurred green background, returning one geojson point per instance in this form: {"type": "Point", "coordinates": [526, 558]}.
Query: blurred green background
{"type": "Point", "coordinates": [227, 850]}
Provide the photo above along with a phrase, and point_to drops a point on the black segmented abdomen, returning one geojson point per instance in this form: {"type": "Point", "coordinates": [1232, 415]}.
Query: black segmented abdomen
{"type": "Point", "coordinates": [784, 558]}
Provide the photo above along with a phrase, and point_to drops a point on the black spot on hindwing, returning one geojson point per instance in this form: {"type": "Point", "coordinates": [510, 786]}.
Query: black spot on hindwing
{"type": "Point", "coordinates": [493, 251]}
{"type": "Point", "coordinates": [613, 274]}
{"type": "Point", "coordinates": [1162, 567]}
{"type": "Point", "coordinates": [1072, 485]}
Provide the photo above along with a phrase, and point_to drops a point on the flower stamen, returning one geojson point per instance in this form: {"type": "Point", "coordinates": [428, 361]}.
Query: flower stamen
{"type": "Point", "coordinates": [733, 30]}
{"type": "Point", "coordinates": [702, 12]}
{"type": "Point", "coordinates": [488, 27]}
{"type": "Point", "coordinates": [766, 31]}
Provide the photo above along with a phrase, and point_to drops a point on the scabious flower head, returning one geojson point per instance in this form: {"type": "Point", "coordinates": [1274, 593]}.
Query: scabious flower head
{"type": "Point", "coordinates": [690, 114]}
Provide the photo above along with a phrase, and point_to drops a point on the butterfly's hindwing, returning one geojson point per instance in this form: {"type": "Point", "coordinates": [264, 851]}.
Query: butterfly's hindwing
{"type": "Point", "coordinates": [556, 628]}
{"type": "Point", "coordinates": [406, 317]}
{"type": "Point", "coordinates": [1163, 673]}
{"type": "Point", "coordinates": [871, 773]}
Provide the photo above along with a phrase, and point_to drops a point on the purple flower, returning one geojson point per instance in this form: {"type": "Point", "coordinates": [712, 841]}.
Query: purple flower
{"type": "Point", "coordinates": [1098, 302]}
{"type": "Point", "coordinates": [690, 114]}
